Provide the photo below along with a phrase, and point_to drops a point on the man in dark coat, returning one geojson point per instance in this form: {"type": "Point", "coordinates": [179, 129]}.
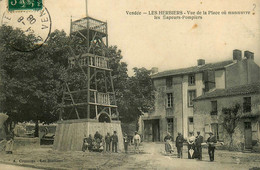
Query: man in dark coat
{"type": "Point", "coordinates": [126, 142]}
{"type": "Point", "coordinates": [198, 142]}
{"type": "Point", "coordinates": [211, 145]}
{"type": "Point", "coordinates": [108, 142]}
{"type": "Point", "coordinates": [179, 144]}
{"type": "Point", "coordinates": [114, 142]}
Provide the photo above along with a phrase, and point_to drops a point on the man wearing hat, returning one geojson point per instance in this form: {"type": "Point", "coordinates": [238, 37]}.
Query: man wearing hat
{"type": "Point", "coordinates": [198, 142]}
{"type": "Point", "coordinates": [114, 142]}
{"type": "Point", "coordinates": [211, 145]}
{"type": "Point", "coordinates": [179, 144]}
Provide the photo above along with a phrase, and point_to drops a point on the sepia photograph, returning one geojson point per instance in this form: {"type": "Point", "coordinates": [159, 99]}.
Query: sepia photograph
{"type": "Point", "coordinates": [129, 84]}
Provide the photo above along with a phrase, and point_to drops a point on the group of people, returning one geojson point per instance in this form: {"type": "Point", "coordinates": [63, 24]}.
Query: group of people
{"type": "Point", "coordinates": [98, 143]}
{"type": "Point", "coordinates": [194, 145]}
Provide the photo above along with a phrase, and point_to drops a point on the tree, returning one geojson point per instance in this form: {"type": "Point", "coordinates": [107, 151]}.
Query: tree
{"type": "Point", "coordinates": [138, 95]}
{"type": "Point", "coordinates": [31, 81]}
{"type": "Point", "coordinates": [231, 119]}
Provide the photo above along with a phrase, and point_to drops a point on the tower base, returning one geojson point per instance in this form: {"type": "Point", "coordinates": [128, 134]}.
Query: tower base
{"type": "Point", "coordinates": [70, 133]}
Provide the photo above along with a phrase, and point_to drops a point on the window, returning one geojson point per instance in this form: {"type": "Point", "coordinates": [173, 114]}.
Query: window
{"type": "Point", "coordinates": [247, 125]}
{"type": "Point", "coordinates": [191, 79]}
{"type": "Point", "coordinates": [191, 96]}
{"type": "Point", "coordinates": [169, 100]}
{"type": "Point", "coordinates": [247, 104]}
{"type": "Point", "coordinates": [214, 108]}
{"type": "Point", "coordinates": [170, 126]}
{"type": "Point", "coordinates": [203, 91]}
{"type": "Point", "coordinates": [190, 120]}
{"type": "Point", "coordinates": [169, 81]}
{"type": "Point", "coordinates": [215, 130]}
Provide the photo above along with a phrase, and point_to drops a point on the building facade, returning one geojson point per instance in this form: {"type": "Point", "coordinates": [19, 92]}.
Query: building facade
{"type": "Point", "coordinates": [176, 89]}
{"type": "Point", "coordinates": [208, 115]}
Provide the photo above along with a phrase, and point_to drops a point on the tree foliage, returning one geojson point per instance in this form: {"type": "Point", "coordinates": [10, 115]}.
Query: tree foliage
{"type": "Point", "coordinates": [32, 81]}
{"type": "Point", "coordinates": [231, 117]}
{"type": "Point", "coordinates": [138, 95]}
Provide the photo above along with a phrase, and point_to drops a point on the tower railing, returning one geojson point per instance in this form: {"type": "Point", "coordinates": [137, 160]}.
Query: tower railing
{"type": "Point", "coordinates": [91, 23]}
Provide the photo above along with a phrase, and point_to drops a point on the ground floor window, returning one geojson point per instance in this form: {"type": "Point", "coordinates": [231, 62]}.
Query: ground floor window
{"type": "Point", "coordinates": [190, 125]}
{"type": "Point", "coordinates": [217, 130]}
{"type": "Point", "coordinates": [170, 126]}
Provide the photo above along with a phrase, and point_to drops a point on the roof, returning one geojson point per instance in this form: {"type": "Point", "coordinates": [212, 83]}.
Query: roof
{"type": "Point", "coordinates": [194, 69]}
{"type": "Point", "coordinates": [233, 91]}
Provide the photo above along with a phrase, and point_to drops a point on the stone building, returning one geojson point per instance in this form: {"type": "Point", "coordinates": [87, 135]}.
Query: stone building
{"type": "Point", "coordinates": [176, 89]}
{"type": "Point", "coordinates": [209, 117]}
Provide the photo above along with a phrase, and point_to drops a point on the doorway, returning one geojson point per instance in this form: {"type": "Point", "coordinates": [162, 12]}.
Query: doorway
{"type": "Point", "coordinates": [151, 130]}
{"type": "Point", "coordinates": [248, 135]}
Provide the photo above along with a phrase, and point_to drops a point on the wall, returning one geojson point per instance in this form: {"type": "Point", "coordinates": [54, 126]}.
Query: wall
{"type": "Point", "coordinates": [202, 117]}
{"type": "Point", "coordinates": [253, 69]}
{"type": "Point", "coordinates": [161, 110]}
{"type": "Point", "coordinates": [188, 111]}
{"type": "Point", "coordinates": [220, 79]}
{"type": "Point", "coordinates": [241, 73]}
{"type": "Point", "coordinates": [70, 133]}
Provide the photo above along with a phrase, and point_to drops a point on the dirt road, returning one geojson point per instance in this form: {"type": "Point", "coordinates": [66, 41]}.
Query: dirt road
{"type": "Point", "coordinates": [155, 158]}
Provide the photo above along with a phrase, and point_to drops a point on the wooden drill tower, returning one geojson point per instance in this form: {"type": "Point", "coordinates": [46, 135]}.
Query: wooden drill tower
{"type": "Point", "coordinates": [89, 103]}
{"type": "Point", "coordinates": [95, 98]}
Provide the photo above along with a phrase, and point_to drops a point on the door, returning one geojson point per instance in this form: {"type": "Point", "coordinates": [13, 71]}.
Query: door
{"type": "Point", "coordinates": [248, 135]}
{"type": "Point", "coordinates": [148, 136]}
{"type": "Point", "coordinates": [156, 132]}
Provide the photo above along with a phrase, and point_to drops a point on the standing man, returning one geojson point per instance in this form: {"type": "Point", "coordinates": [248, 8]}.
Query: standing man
{"type": "Point", "coordinates": [198, 142]}
{"type": "Point", "coordinates": [179, 144]}
{"type": "Point", "coordinates": [126, 142]}
{"type": "Point", "coordinates": [137, 141]}
{"type": "Point", "coordinates": [108, 142]}
{"type": "Point", "coordinates": [114, 142]}
{"type": "Point", "coordinates": [211, 148]}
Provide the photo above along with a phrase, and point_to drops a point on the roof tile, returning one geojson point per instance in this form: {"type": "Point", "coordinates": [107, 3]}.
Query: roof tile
{"type": "Point", "coordinates": [233, 91]}
{"type": "Point", "coordinates": [194, 69]}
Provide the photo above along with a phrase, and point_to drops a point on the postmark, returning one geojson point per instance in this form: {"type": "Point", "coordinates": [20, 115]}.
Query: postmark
{"type": "Point", "coordinates": [14, 5]}
{"type": "Point", "coordinates": [36, 23]}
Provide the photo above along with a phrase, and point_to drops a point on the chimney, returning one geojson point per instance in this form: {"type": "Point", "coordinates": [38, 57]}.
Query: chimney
{"type": "Point", "coordinates": [154, 70]}
{"type": "Point", "coordinates": [249, 55]}
{"type": "Point", "coordinates": [237, 55]}
{"type": "Point", "coordinates": [201, 62]}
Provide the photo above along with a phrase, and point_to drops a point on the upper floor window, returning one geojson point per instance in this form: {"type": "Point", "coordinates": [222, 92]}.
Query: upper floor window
{"type": "Point", "coordinates": [214, 108]}
{"type": "Point", "coordinates": [191, 96]}
{"type": "Point", "coordinates": [247, 104]}
{"type": "Point", "coordinates": [191, 79]}
{"type": "Point", "coordinates": [169, 81]}
{"type": "Point", "coordinates": [169, 100]}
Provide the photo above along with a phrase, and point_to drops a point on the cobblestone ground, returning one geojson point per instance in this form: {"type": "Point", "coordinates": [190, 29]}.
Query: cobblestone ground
{"type": "Point", "coordinates": [152, 156]}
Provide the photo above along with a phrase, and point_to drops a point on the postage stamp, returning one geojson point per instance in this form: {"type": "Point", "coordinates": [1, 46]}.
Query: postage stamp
{"type": "Point", "coordinates": [14, 5]}
{"type": "Point", "coordinates": [37, 23]}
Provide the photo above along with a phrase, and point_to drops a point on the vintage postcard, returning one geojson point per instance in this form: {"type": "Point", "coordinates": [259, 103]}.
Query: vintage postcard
{"type": "Point", "coordinates": [123, 84]}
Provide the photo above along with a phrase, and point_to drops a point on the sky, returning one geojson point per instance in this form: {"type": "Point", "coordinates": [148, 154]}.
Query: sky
{"type": "Point", "coordinates": [166, 44]}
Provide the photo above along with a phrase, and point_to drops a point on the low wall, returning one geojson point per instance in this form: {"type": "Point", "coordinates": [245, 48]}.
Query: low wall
{"type": "Point", "coordinates": [70, 133]}
{"type": "Point", "coordinates": [23, 143]}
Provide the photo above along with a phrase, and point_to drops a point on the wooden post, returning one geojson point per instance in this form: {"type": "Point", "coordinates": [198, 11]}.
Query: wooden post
{"type": "Point", "coordinates": [86, 8]}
